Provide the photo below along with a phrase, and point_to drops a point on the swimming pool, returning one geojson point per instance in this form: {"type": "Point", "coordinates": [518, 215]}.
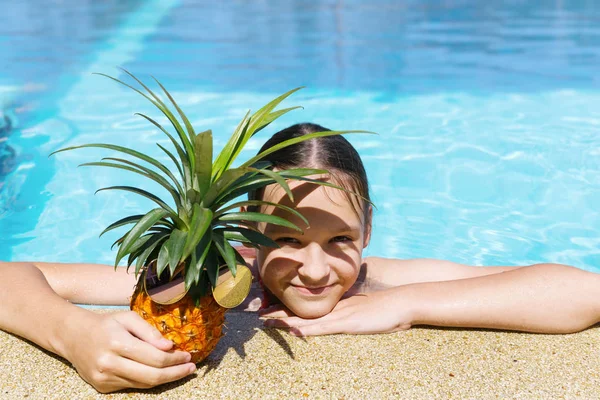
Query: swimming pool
{"type": "Point", "coordinates": [488, 150]}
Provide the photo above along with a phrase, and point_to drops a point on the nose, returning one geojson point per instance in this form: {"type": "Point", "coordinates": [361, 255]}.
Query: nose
{"type": "Point", "coordinates": [315, 266]}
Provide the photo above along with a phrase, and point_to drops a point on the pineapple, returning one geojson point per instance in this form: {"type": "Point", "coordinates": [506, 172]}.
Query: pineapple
{"type": "Point", "coordinates": [186, 244]}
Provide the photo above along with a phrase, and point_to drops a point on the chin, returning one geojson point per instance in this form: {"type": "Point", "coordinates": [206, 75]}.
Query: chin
{"type": "Point", "coordinates": [311, 311]}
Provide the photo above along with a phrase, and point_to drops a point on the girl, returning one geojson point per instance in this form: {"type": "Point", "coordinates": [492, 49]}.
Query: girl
{"type": "Point", "coordinates": [315, 283]}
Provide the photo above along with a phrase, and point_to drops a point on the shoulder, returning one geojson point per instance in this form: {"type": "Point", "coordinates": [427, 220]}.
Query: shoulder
{"type": "Point", "coordinates": [396, 272]}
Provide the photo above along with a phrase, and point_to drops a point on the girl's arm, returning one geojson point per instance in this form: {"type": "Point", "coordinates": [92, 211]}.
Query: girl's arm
{"type": "Point", "coordinates": [110, 351]}
{"type": "Point", "coordinates": [389, 272]}
{"type": "Point", "coordinates": [88, 283]}
{"type": "Point", "coordinates": [547, 298]}
{"type": "Point", "coordinates": [544, 298]}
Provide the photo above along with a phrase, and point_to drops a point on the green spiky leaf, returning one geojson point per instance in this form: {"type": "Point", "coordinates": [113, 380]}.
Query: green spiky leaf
{"type": "Point", "coordinates": [138, 229]}
{"type": "Point", "coordinates": [175, 246]}
{"type": "Point", "coordinates": [201, 219]}
{"type": "Point", "coordinates": [244, 217]}
{"type": "Point", "coordinates": [203, 152]}
{"type": "Point", "coordinates": [226, 251]}
{"type": "Point", "coordinates": [247, 236]}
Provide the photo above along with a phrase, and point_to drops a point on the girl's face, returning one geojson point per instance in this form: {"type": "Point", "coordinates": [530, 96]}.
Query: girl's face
{"type": "Point", "coordinates": [311, 272]}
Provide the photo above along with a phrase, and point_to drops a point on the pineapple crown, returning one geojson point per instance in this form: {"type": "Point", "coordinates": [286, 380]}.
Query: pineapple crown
{"type": "Point", "coordinates": [193, 236]}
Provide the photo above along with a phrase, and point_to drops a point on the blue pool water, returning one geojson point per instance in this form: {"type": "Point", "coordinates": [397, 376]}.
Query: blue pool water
{"type": "Point", "coordinates": [489, 128]}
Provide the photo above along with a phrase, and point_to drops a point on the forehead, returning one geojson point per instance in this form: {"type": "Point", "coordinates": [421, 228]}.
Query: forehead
{"type": "Point", "coordinates": [306, 194]}
{"type": "Point", "coordinates": [322, 206]}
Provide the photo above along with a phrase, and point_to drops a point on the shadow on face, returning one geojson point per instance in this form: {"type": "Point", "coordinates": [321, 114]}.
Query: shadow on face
{"type": "Point", "coordinates": [313, 269]}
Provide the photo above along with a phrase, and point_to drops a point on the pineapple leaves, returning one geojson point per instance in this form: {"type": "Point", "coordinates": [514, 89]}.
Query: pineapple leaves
{"type": "Point", "coordinates": [256, 181]}
{"type": "Point", "coordinates": [130, 220]}
{"type": "Point", "coordinates": [163, 259]}
{"type": "Point", "coordinates": [198, 258]}
{"type": "Point", "coordinates": [172, 157]}
{"type": "Point", "coordinates": [180, 152]}
{"type": "Point", "coordinates": [224, 159]}
{"type": "Point", "coordinates": [175, 245]}
{"type": "Point", "coordinates": [248, 236]}
{"type": "Point", "coordinates": [203, 153]}
{"type": "Point", "coordinates": [211, 264]}
{"type": "Point", "coordinates": [243, 218]}
{"type": "Point", "coordinates": [141, 171]}
{"type": "Point", "coordinates": [263, 116]}
{"type": "Point", "coordinates": [273, 116]}
{"type": "Point", "coordinates": [258, 203]}
{"type": "Point", "coordinates": [165, 110]}
{"type": "Point", "coordinates": [201, 219]}
{"type": "Point", "coordinates": [138, 229]}
{"type": "Point", "coordinates": [226, 250]}
{"type": "Point", "coordinates": [128, 151]}
{"type": "Point", "coordinates": [246, 129]}
{"type": "Point", "coordinates": [172, 214]}
{"type": "Point", "coordinates": [143, 248]}
{"type": "Point", "coordinates": [149, 247]}
{"type": "Point", "coordinates": [291, 174]}
{"type": "Point", "coordinates": [279, 180]}
{"type": "Point", "coordinates": [228, 178]}
{"type": "Point", "coordinates": [186, 121]}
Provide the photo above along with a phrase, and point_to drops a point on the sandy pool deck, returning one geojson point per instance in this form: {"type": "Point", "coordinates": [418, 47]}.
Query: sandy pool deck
{"type": "Point", "coordinates": [423, 363]}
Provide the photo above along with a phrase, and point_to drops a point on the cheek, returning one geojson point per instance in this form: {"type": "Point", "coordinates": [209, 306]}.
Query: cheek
{"type": "Point", "coordinates": [350, 261]}
{"type": "Point", "coordinates": [350, 273]}
{"type": "Point", "coordinates": [273, 270]}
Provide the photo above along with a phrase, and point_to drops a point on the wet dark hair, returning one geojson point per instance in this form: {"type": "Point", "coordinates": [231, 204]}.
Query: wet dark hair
{"type": "Point", "coordinates": [334, 153]}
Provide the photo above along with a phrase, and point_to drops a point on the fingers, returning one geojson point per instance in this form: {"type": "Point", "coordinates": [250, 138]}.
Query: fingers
{"type": "Point", "coordinates": [144, 376]}
{"type": "Point", "coordinates": [144, 344]}
{"type": "Point", "coordinates": [360, 314]}
{"type": "Point", "coordinates": [334, 322]}
{"type": "Point", "coordinates": [280, 317]}
{"type": "Point", "coordinates": [332, 327]}
{"type": "Point", "coordinates": [122, 373]}
{"type": "Point", "coordinates": [310, 327]}
{"type": "Point", "coordinates": [142, 330]}
{"type": "Point", "coordinates": [144, 353]}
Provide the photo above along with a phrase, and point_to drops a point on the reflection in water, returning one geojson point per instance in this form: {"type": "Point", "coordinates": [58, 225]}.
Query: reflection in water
{"type": "Point", "coordinates": [8, 154]}
{"type": "Point", "coordinates": [44, 40]}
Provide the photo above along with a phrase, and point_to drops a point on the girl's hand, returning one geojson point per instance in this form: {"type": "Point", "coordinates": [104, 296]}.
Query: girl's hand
{"type": "Point", "coordinates": [120, 350]}
{"type": "Point", "coordinates": [376, 312]}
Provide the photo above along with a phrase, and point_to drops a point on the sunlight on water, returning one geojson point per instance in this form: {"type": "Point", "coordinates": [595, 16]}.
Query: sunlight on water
{"type": "Point", "coordinates": [488, 147]}
{"type": "Point", "coordinates": [494, 180]}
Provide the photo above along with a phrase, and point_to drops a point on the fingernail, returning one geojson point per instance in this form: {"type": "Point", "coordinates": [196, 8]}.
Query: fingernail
{"type": "Point", "coordinates": [188, 357]}
{"type": "Point", "coordinates": [166, 342]}
{"type": "Point", "coordinates": [192, 368]}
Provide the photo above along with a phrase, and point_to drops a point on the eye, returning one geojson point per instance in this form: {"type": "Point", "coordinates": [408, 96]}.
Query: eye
{"type": "Point", "coordinates": [287, 240]}
{"type": "Point", "coordinates": [341, 239]}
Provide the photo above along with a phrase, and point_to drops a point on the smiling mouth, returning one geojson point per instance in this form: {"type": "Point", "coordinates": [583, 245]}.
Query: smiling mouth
{"type": "Point", "coordinates": [312, 291]}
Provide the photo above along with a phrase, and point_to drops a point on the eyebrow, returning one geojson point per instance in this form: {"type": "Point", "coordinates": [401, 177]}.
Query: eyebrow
{"type": "Point", "coordinates": [339, 229]}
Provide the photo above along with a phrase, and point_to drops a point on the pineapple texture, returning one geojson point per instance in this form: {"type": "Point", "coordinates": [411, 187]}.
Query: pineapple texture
{"type": "Point", "coordinates": [196, 330]}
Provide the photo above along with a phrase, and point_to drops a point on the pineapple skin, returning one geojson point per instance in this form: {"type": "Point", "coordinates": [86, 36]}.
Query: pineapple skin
{"type": "Point", "coordinates": [196, 330]}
